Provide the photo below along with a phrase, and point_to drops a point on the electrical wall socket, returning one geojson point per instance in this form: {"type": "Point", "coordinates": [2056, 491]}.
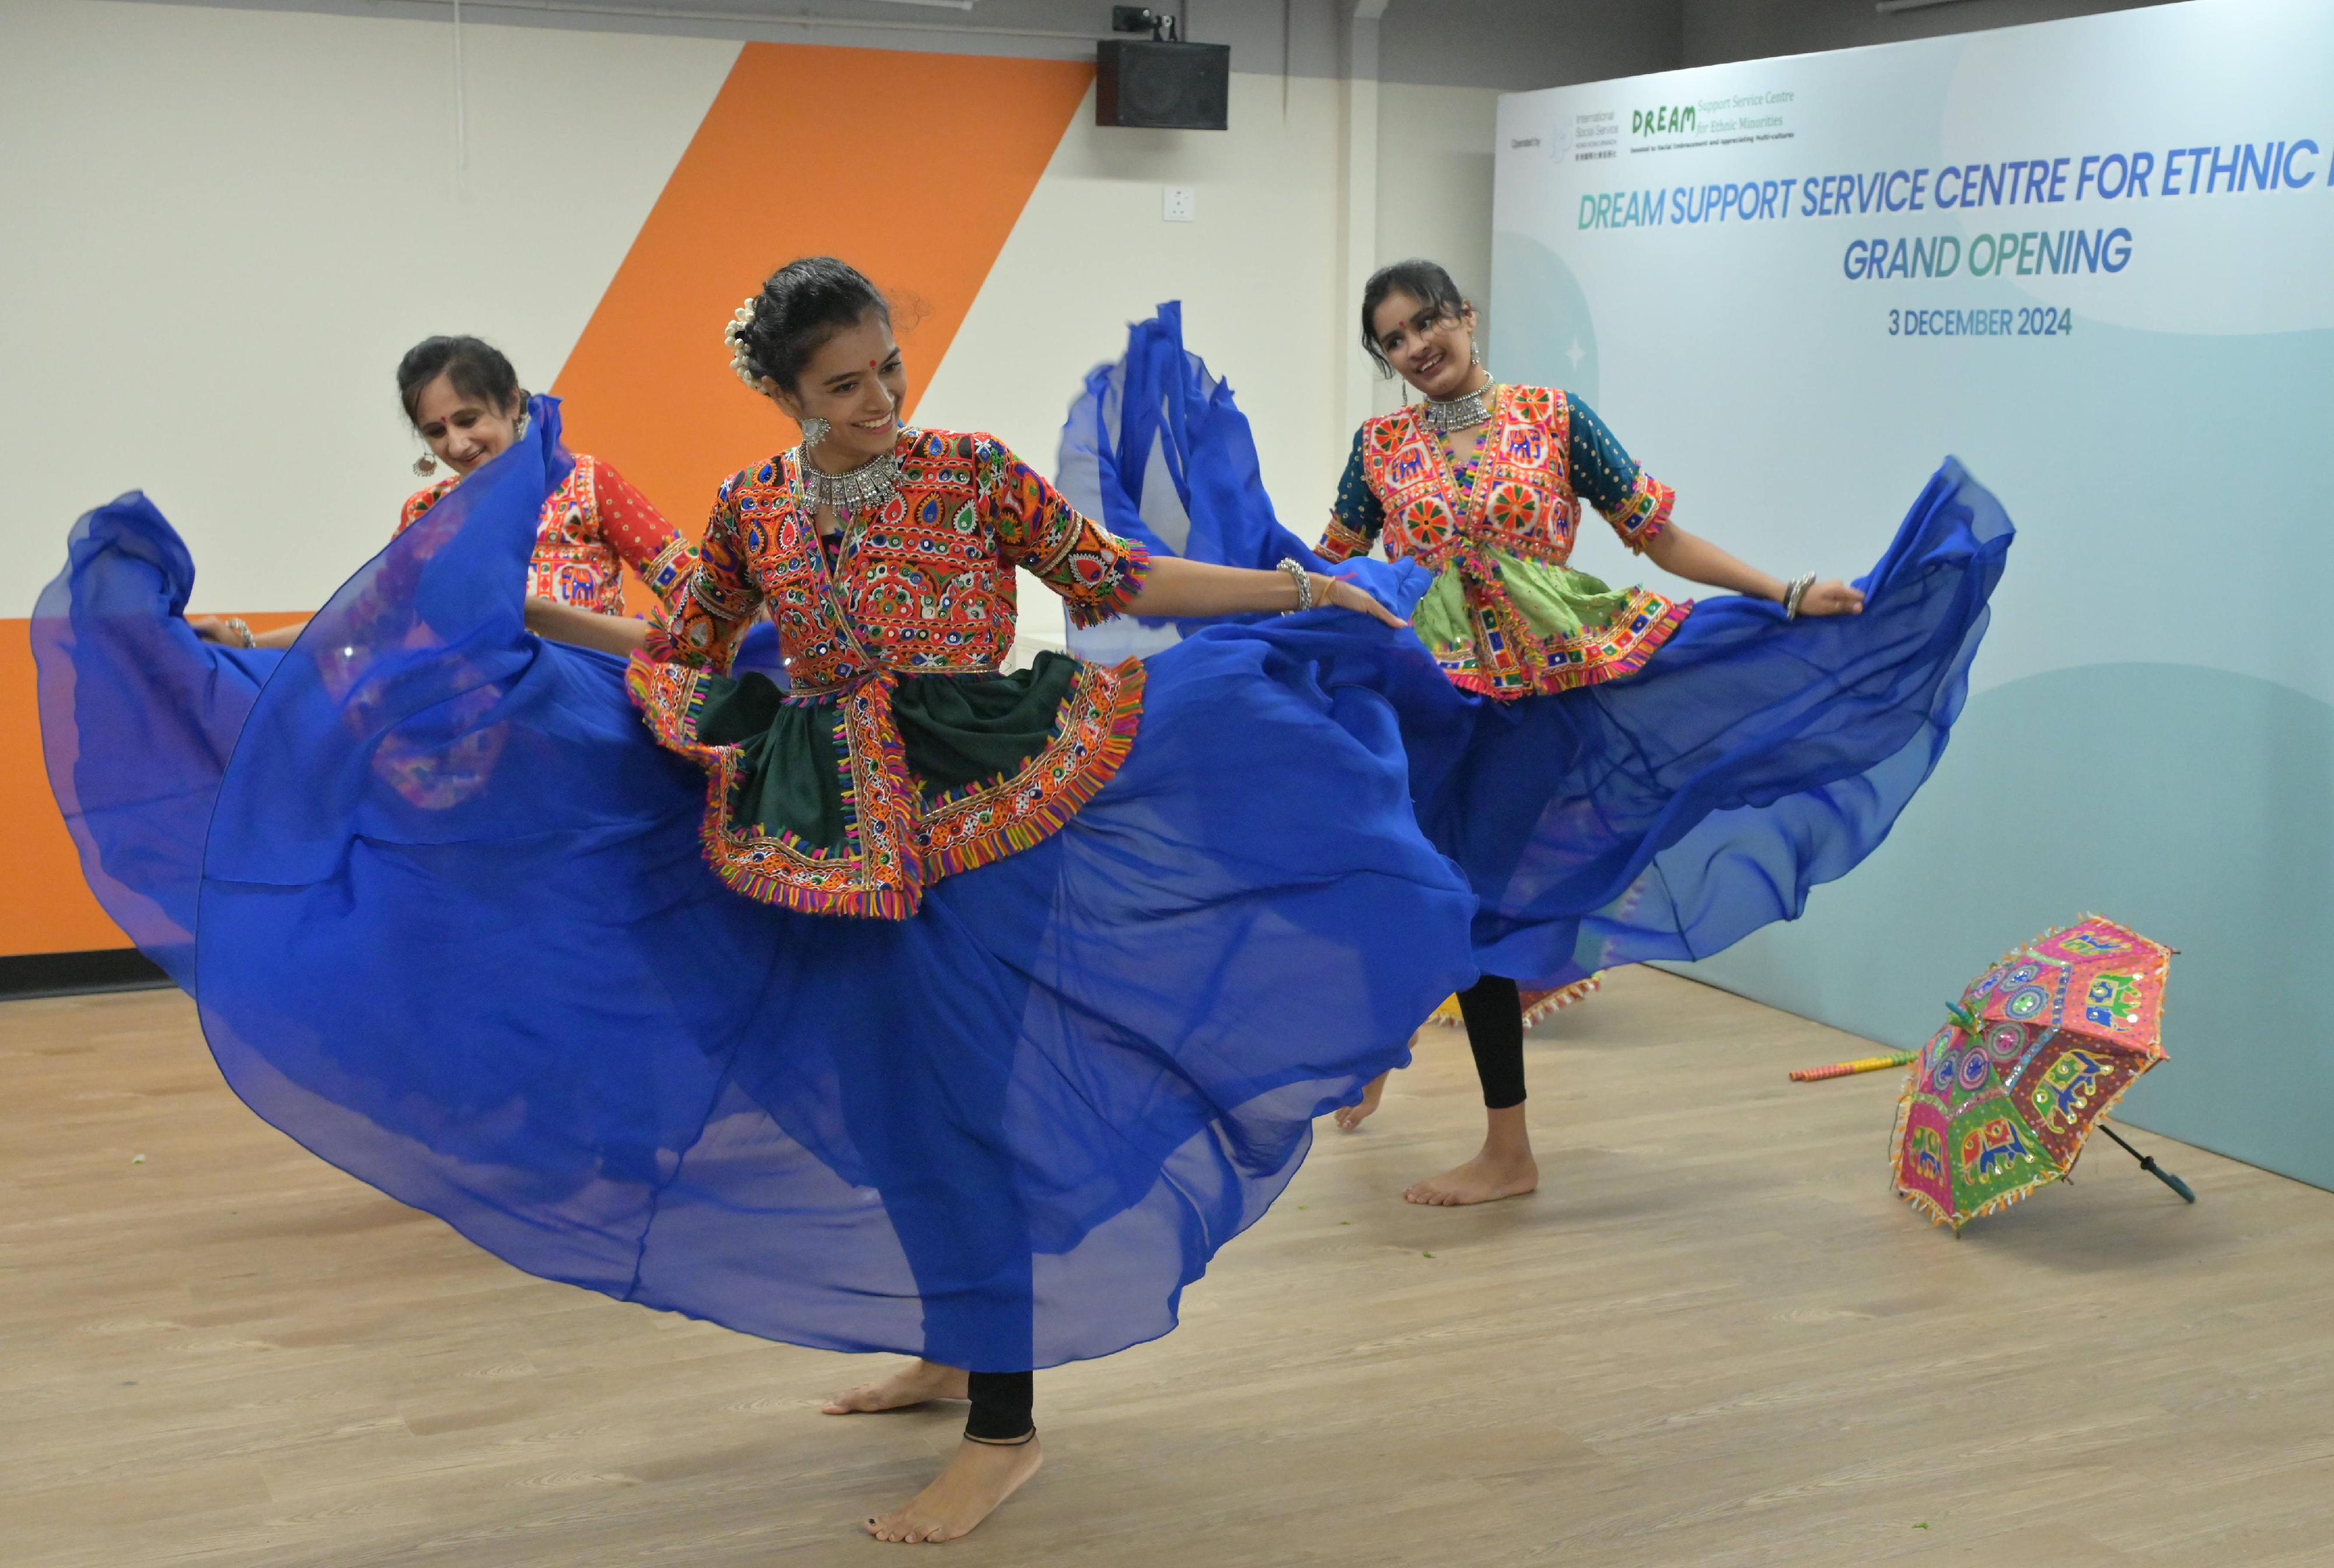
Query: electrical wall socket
{"type": "Point", "coordinates": [1178, 204]}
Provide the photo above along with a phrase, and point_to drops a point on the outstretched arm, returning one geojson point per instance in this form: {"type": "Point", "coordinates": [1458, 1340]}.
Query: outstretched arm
{"type": "Point", "coordinates": [1176, 587]}
{"type": "Point", "coordinates": [1697, 560]}
{"type": "Point", "coordinates": [227, 631]}
{"type": "Point", "coordinates": [1099, 574]}
{"type": "Point", "coordinates": [1637, 505]}
{"type": "Point", "coordinates": [621, 635]}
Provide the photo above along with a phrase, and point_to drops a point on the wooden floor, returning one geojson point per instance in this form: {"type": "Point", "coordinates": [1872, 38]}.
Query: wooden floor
{"type": "Point", "coordinates": [1712, 1337]}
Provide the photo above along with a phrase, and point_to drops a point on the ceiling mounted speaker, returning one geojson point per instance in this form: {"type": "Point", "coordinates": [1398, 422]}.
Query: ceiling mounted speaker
{"type": "Point", "coordinates": [1167, 86]}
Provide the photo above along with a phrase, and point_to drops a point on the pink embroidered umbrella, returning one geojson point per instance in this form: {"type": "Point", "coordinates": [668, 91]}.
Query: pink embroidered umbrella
{"type": "Point", "coordinates": [2041, 1045]}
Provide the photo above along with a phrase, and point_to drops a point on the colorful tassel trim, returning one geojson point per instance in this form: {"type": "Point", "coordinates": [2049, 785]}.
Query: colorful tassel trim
{"type": "Point", "coordinates": [1642, 517]}
{"type": "Point", "coordinates": [895, 845]}
{"type": "Point", "coordinates": [668, 574]}
{"type": "Point", "coordinates": [1115, 594]}
{"type": "Point", "coordinates": [880, 872]}
{"type": "Point", "coordinates": [1094, 729]}
{"type": "Point", "coordinates": [1539, 1006]}
{"type": "Point", "coordinates": [1570, 676]}
{"type": "Point", "coordinates": [1339, 543]}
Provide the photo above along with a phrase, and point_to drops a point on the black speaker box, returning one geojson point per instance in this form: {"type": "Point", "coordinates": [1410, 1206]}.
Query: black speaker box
{"type": "Point", "coordinates": [1169, 86]}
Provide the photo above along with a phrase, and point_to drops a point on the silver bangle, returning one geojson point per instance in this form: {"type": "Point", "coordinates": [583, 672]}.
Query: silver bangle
{"type": "Point", "coordinates": [241, 627]}
{"type": "Point", "coordinates": [1794, 593]}
{"type": "Point", "coordinates": [1304, 580]}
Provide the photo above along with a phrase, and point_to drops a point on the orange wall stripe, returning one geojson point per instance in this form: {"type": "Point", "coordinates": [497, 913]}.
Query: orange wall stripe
{"type": "Point", "coordinates": [45, 907]}
{"type": "Point", "coordinates": [913, 168]}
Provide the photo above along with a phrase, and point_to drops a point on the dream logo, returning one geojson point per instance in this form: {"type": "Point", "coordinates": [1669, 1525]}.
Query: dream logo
{"type": "Point", "coordinates": [1662, 121]}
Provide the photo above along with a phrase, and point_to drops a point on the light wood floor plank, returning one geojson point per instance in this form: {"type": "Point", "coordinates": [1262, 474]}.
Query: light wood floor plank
{"type": "Point", "coordinates": [1712, 1338]}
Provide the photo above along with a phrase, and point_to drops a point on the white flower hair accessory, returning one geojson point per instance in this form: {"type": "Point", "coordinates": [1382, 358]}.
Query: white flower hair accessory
{"type": "Point", "coordinates": [734, 337]}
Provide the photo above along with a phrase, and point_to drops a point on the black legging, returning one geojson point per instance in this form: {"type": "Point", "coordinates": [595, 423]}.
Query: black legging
{"type": "Point", "coordinates": [1493, 1009]}
{"type": "Point", "coordinates": [1002, 1404]}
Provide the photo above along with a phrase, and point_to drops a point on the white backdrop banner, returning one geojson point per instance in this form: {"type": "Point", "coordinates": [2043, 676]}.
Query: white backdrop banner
{"type": "Point", "coordinates": [2090, 258]}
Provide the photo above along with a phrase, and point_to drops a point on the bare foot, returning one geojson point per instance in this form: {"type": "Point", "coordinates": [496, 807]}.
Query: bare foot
{"type": "Point", "coordinates": [1350, 1117]}
{"type": "Point", "coordinates": [1485, 1178]}
{"type": "Point", "coordinates": [969, 1488]}
{"type": "Point", "coordinates": [916, 1383]}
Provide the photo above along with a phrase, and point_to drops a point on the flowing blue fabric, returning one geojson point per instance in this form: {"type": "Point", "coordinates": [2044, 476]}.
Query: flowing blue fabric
{"type": "Point", "coordinates": [1156, 450]}
{"type": "Point", "coordinates": [456, 936]}
{"type": "Point", "coordinates": [1663, 816]}
{"type": "Point", "coordinates": [138, 719]}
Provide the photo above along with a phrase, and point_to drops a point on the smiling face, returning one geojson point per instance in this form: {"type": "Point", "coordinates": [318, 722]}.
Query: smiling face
{"type": "Point", "coordinates": [463, 431]}
{"type": "Point", "coordinates": [856, 382]}
{"type": "Point", "coordinates": [1431, 349]}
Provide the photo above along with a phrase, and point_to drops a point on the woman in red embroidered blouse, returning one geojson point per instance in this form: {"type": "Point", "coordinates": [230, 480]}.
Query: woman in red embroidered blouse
{"type": "Point", "coordinates": [463, 399]}
{"type": "Point", "coordinates": [1481, 484]}
{"type": "Point", "coordinates": [899, 754]}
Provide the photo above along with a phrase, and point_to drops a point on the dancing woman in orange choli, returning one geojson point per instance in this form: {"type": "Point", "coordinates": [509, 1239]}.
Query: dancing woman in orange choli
{"type": "Point", "coordinates": [463, 399]}
{"type": "Point", "coordinates": [1480, 484]}
{"type": "Point", "coordinates": [938, 1008]}
{"type": "Point", "coordinates": [142, 705]}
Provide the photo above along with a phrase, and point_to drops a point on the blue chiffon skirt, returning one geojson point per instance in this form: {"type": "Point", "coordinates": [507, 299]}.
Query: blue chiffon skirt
{"type": "Point", "coordinates": [1666, 816]}
{"type": "Point", "coordinates": [139, 717]}
{"type": "Point", "coordinates": [456, 936]}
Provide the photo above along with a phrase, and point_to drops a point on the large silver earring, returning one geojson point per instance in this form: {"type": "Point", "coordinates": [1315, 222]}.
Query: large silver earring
{"type": "Point", "coordinates": [1474, 354]}
{"type": "Point", "coordinates": [815, 430]}
{"type": "Point", "coordinates": [425, 465]}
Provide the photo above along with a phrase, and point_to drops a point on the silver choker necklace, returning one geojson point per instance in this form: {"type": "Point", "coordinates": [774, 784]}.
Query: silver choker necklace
{"type": "Point", "coordinates": [866, 488]}
{"type": "Point", "coordinates": [1462, 413]}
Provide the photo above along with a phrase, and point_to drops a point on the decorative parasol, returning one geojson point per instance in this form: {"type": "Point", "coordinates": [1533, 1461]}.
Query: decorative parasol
{"type": "Point", "coordinates": [2041, 1046]}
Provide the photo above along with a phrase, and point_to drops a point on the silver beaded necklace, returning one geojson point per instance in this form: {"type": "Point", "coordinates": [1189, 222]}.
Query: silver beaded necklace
{"type": "Point", "coordinates": [866, 488]}
{"type": "Point", "coordinates": [1464, 413]}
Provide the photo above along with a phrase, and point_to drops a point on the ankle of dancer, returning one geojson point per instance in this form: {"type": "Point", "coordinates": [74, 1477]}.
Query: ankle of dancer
{"type": "Point", "coordinates": [1002, 1403]}
{"type": "Point", "coordinates": [1494, 1011]}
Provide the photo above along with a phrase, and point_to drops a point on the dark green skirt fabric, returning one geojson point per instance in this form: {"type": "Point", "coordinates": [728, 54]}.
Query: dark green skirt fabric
{"type": "Point", "coordinates": [957, 730]}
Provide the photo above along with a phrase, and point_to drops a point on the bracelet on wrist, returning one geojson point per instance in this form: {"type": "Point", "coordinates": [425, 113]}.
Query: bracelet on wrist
{"type": "Point", "coordinates": [1794, 593]}
{"type": "Point", "coordinates": [1302, 579]}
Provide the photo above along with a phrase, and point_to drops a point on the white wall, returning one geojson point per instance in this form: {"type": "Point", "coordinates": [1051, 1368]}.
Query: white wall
{"type": "Point", "coordinates": [223, 226]}
{"type": "Point", "coordinates": [1258, 271]}
{"type": "Point", "coordinates": [227, 224]}
{"type": "Point", "coordinates": [1434, 192]}
{"type": "Point", "coordinates": [1255, 272]}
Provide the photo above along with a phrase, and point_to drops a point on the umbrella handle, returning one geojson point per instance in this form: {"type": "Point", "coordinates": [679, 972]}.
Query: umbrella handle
{"type": "Point", "coordinates": [2147, 1163]}
{"type": "Point", "coordinates": [2165, 1176]}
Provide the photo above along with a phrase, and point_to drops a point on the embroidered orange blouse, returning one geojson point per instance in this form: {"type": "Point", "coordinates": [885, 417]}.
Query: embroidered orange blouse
{"type": "Point", "coordinates": [916, 595]}
{"type": "Point", "coordinates": [593, 526]}
{"type": "Point", "coordinates": [1507, 615]}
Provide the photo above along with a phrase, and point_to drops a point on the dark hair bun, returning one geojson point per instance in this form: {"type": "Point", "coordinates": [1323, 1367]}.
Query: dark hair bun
{"type": "Point", "coordinates": [476, 368]}
{"type": "Point", "coordinates": [803, 303]}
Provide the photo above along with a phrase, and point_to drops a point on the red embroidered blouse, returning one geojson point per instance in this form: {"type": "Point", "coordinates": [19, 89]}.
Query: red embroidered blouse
{"type": "Point", "coordinates": [922, 588]}
{"type": "Point", "coordinates": [593, 525]}
{"type": "Point", "coordinates": [1508, 617]}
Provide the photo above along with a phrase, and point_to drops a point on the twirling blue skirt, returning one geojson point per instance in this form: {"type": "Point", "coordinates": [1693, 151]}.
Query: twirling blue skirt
{"type": "Point", "coordinates": [456, 936]}
{"type": "Point", "coordinates": [139, 717]}
{"type": "Point", "coordinates": [1671, 813]}
{"type": "Point", "coordinates": [1664, 815]}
